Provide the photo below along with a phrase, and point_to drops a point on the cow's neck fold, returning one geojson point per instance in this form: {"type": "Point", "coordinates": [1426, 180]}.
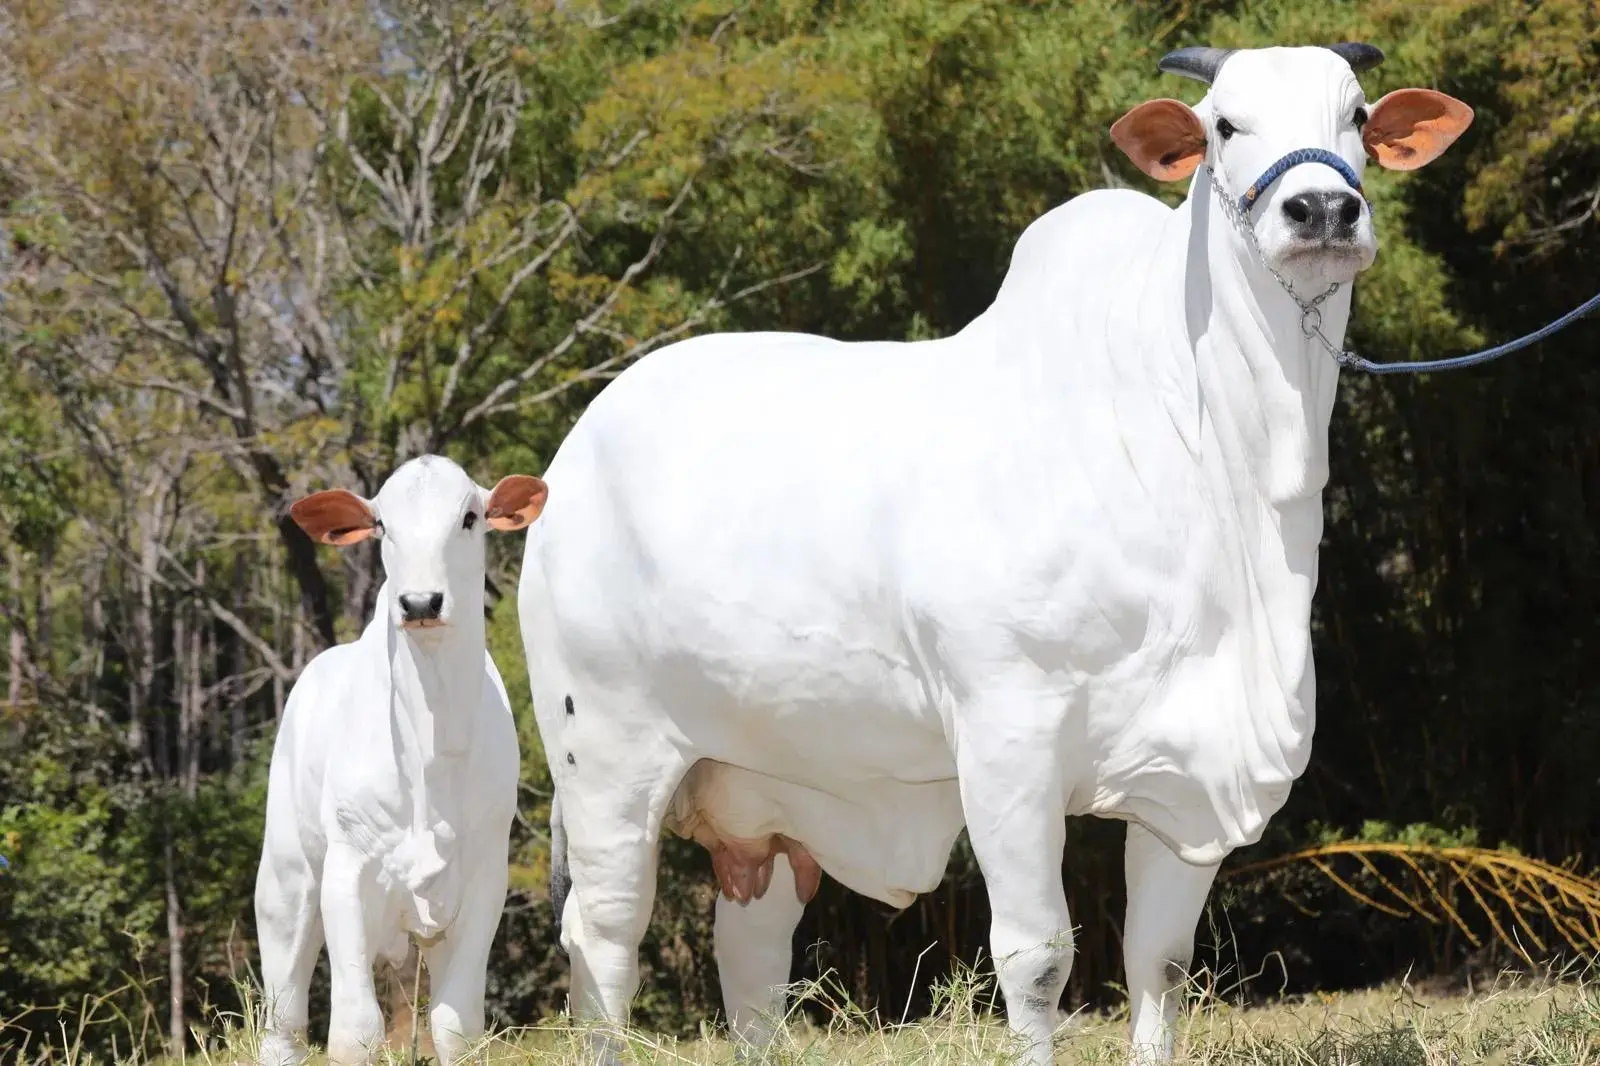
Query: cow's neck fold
{"type": "Point", "coordinates": [1269, 387]}
{"type": "Point", "coordinates": [1268, 392]}
{"type": "Point", "coordinates": [436, 685]}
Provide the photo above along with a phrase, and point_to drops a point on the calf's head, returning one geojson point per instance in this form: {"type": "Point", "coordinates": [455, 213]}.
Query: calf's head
{"type": "Point", "coordinates": [1289, 131]}
{"type": "Point", "coordinates": [431, 519]}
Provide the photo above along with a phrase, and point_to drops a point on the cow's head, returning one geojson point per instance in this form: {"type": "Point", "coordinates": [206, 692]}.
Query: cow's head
{"type": "Point", "coordinates": [431, 518]}
{"type": "Point", "coordinates": [1310, 223]}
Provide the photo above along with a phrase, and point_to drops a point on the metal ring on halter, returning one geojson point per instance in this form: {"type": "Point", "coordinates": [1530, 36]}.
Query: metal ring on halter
{"type": "Point", "coordinates": [1311, 320]}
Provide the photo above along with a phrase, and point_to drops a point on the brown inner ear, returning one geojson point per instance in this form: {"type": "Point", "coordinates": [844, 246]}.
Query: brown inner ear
{"type": "Point", "coordinates": [334, 517]}
{"type": "Point", "coordinates": [515, 502]}
{"type": "Point", "coordinates": [1164, 138]}
{"type": "Point", "coordinates": [1410, 128]}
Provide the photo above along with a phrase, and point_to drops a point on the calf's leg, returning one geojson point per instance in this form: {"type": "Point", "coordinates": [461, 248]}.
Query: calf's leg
{"type": "Point", "coordinates": [1165, 899]}
{"type": "Point", "coordinates": [754, 947]}
{"type": "Point", "coordinates": [289, 935]}
{"type": "Point", "coordinates": [458, 965]}
{"type": "Point", "coordinates": [355, 1025]}
{"type": "Point", "coordinates": [1013, 800]}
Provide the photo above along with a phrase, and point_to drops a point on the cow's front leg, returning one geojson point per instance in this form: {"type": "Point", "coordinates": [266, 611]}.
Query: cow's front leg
{"type": "Point", "coordinates": [458, 963]}
{"type": "Point", "coordinates": [355, 1024]}
{"type": "Point", "coordinates": [614, 794]}
{"type": "Point", "coordinates": [754, 946]}
{"type": "Point", "coordinates": [1165, 899]}
{"type": "Point", "coordinates": [289, 932]}
{"type": "Point", "coordinates": [1013, 800]}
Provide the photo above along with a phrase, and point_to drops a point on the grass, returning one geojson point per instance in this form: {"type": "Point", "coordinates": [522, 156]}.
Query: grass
{"type": "Point", "coordinates": [1517, 1022]}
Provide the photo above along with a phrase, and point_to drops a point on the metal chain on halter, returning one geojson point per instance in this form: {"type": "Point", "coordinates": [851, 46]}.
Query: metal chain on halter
{"type": "Point", "coordinates": [1310, 310]}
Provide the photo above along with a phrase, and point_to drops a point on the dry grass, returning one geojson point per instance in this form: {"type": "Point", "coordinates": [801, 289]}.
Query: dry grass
{"type": "Point", "coordinates": [1518, 1022]}
{"type": "Point", "coordinates": [1487, 895]}
{"type": "Point", "coordinates": [1530, 907]}
{"type": "Point", "coordinates": [1548, 1024]}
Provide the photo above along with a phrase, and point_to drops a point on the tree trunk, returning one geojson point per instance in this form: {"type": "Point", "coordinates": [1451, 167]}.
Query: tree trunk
{"type": "Point", "coordinates": [365, 568]}
{"type": "Point", "coordinates": [94, 625]}
{"type": "Point", "coordinates": [225, 361]}
{"type": "Point", "coordinates": [313, 586]}
{"type": "Point", "coordinates": [181, 731]}
{"type": "Point", "coordinates": [192, 710]}
{"type": "Point", "coordinates": [43, 634]}
{"type": "Point", "coordinates": [275, 594]}
{"type": "Point", "coordinates": [18, 658]}
{"type": "Point", "coordinates": [142, 655]}
{"type": "Point", "coordinates": [235, 667]}
{"type": "Point", "coordinates": [176, 1028]}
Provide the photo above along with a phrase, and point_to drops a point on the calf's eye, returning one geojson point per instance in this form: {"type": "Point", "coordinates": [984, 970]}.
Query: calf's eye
{"type": "Point", "coordinates": [1360, 118]}
{"type": "Point", "coordinates": [470, 520]}
{"type": "Point", "coordinates": [1225, 129]}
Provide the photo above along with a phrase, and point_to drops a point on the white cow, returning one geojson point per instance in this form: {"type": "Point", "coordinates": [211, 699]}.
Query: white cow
{"type": "Point", "coordinates": [394, 775]}
{"type": "Point", "coordinates": [822, 604]}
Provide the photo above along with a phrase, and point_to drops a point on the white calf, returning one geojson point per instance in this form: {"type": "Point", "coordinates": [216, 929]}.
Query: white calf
{"type": "Point", "coordinates": [394, 776]}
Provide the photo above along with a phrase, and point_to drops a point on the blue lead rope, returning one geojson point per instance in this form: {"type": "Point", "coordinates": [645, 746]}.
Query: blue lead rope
{"type": "Point", "coordinates": [1427, 366]}
{"type": "Point", "coordinates": [1311, 317]}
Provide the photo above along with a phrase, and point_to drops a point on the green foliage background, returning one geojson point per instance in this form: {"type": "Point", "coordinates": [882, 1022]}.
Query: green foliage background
{"type": "Point", "coordinates": [895, 149]}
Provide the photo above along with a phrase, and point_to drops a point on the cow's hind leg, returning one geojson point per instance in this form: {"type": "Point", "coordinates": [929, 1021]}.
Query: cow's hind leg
{"type": "Point", "coordinates": [1165, 899]}
{"type": "Point", "coordinates": [615, 784]}
{"type": "Point", "coordinates": [289, 936]}
{"type": "Point", "coordinates": [1014, 802]}
{"type": "Point", "coordinates": [754, 946]}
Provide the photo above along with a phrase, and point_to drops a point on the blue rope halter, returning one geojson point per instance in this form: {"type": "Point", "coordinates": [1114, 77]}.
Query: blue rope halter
{"type": "Point", "coordinates": [1294, 159]}
{"type": "Point", "coordinates": [1311, 316]}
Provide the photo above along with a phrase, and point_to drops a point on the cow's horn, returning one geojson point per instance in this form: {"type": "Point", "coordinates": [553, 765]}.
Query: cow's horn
{"type": "Point", "coordinates": [1201, 64]}
{"type": "Point", "coordinates": [1360, 56]}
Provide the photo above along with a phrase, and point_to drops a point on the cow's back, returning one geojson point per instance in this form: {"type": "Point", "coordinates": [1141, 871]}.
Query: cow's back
{"type": "Point", "coordinates": [722, 535]}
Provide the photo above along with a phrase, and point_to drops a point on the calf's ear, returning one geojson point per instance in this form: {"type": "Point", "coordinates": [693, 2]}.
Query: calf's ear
{"type": "Point", "coordinates": [515, 502]}
{"type": "Point", "coordinates": [335, 517]}
{"type": "Point", "coordinates": [1164, 138]}
{"type": "Point", "coordinates": [1410, 128]}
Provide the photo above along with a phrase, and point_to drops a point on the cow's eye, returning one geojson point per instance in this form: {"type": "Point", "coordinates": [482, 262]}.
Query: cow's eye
{"type": "Point", "coordinates": [1225, 129]}
{"type": "Point", "coordinates": [470, 520]}
{"type": "Point", "coordinates": [1360, 118]}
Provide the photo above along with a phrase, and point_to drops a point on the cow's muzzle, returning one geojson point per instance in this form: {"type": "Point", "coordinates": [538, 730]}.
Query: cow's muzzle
{"type": "Point", "coordinates": [421, 610]}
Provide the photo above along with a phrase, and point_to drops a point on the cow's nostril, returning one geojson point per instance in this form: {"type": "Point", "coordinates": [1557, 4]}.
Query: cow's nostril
{"type": "Point", "coordinates": [1349, 211]}
{"type": "Point", "coordinates": [436, 603]}
{"type": "Point", "coordinates": [1298, 208]}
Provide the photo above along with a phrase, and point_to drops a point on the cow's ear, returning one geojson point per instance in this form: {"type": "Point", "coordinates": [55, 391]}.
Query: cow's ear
{"type": "Point", "coordinates": [1410, 128]}
{"type": "Point", "coordinates": [1164, 138]}
{"type": "Point", "coordinates": [515, 502]}
{"type": "Point", "coordinates": [335, 517]}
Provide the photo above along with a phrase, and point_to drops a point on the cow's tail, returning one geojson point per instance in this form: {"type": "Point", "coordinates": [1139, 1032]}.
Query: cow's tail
{"type": "Point", "coordinates": [560, 878]}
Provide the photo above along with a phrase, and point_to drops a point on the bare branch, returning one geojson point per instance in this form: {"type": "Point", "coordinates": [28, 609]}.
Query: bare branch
{"type": "Point", "coordinates": [222, 614]}
{"type": "Point", "coordinates": [586, 323]}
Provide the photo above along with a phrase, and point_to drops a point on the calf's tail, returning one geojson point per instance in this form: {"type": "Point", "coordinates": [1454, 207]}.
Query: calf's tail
{"type": "Point", "coordinates": [560, 878]}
